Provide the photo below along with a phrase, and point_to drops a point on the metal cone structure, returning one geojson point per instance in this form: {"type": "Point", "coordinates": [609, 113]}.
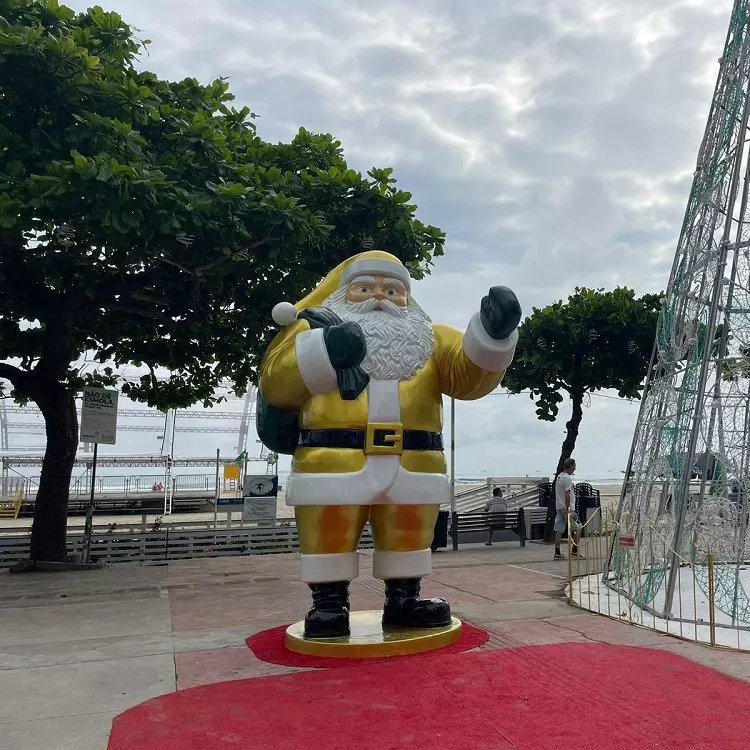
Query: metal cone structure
{"type": "Point", "coordinates": [687, 482]}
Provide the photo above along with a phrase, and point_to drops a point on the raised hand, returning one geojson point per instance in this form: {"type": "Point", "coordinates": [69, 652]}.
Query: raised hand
{"type": "Point", "coordinates": [500, 312]}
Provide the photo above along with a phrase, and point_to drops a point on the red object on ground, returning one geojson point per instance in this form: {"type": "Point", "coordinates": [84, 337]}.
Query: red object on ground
{"type": "Point", "coordinates": [268, 645]}
{"type": "Point", "coordinates": [580, 695]}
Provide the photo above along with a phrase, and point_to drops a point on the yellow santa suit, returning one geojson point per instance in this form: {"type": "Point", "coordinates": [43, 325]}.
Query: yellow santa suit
{"type": "Point", "coordinates": [336, 490]}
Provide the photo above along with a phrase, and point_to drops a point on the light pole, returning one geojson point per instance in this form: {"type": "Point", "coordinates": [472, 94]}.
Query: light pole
{"type": "Point", "coordinates": [453, 456]}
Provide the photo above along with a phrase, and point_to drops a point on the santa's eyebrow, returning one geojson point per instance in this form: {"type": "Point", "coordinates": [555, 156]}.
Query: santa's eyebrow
{"type": "Point", "coordinates": [395, 282]}
{"type": "Point", "coordinates": [363, 280]}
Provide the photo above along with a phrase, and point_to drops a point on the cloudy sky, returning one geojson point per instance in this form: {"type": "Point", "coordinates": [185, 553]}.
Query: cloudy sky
{"type": "Point", "coordinates": [552, 140]}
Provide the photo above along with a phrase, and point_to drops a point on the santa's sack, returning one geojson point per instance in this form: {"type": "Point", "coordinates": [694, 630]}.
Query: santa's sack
{"type": "Point", "coordinates": [277, 429]}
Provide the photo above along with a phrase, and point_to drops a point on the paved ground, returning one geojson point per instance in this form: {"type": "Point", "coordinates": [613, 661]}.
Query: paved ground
{"type": "Point", "coordinates": [76, 649]}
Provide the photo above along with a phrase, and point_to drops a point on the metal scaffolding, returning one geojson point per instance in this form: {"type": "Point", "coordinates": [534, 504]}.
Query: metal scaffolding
{"type": "Point", "coordinates": [15, 419]}
{"type": "Point", "coordinates": [685, 495]}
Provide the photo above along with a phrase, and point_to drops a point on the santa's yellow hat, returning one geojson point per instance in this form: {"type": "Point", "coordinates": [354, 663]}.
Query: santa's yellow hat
{"type": "Point", "coordinates": [366, 263]}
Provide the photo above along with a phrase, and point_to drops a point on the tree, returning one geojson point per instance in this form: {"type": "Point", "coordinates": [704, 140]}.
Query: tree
{"type": "Point", "coordinates": [144, 221]}
{"type": "Point", "coordinates": [595, 340]}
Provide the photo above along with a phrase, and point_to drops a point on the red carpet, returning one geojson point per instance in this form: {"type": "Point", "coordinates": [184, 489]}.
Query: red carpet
{"type": "Point", "coordinates": [573, 695]}
{"type": "Point", "coordinates": [268, 646]}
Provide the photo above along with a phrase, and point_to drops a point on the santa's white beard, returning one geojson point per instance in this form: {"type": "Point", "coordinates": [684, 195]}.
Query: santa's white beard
{"type": "Point", "coordinates": [399, 339]}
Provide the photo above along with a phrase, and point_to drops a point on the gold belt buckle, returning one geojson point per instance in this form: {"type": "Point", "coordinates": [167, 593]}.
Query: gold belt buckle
{"type": "Point", "coordinates": [394, 438]}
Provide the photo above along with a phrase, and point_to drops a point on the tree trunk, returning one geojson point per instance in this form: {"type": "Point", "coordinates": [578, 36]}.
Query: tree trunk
{"type": "Point", "coordinates": [51, 506]}
{"type": "Point", "coordinates": [571, 426]}
{"type": "Point", "coordinates": [566, 452]}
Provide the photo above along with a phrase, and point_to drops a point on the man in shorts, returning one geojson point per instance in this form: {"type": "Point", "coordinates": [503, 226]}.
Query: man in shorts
{"type": "Point", "coordinates": [564, 496]}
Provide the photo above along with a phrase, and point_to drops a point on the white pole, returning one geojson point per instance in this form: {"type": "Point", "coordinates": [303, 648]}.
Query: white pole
{"type": "Point", "coordinates": [453, 455]}
{"type": "Point", "coordinates": [90, 510]}
{"type": "Point", "coordinates": [217, 492]}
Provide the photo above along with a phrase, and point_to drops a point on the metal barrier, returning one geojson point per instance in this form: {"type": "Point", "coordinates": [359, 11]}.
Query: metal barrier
{"type": "Point", "coordinates": [113, 485]}
{"type": "Point", "coordinates": [518, 492]}
{"type": "Point", "coordinates": [164, 543]}
{"type": "Point", "coordinates": [194, 482]}
{"type": "Point", "coordinates": [704, 608]}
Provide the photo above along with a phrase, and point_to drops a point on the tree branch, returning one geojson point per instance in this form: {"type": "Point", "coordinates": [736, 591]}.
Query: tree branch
{"type": "Point", "coordinates": [139, 312]}
{"type": "Point", "coordinates": [149, 300]}
{"type": "Point", "coordinates": [214, 264]}
{"type": "Point", "coordinates": [174, 263]}
{"type": "Point", "coordinates": [9, 372]}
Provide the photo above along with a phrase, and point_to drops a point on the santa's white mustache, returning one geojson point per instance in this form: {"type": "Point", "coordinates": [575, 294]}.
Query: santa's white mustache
{"type": "Point", "coordinates": [371, 304]}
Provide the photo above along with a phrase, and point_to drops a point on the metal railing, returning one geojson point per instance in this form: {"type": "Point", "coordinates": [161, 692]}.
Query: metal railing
{"type": "Point", "coordinates": [162, 542]}
{"type": "Point", "coordinates": [125, 486]}
{"type": "Point", "coordinates": [517, 492]}
{"type": "Point", "coordinates": [709, 604]}
{"type": "Point", "coordinates": [12, 486]}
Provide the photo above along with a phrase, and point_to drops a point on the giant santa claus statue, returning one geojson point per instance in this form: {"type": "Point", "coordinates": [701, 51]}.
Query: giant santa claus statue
{"type": "Point", "coordinates": [352, 387]}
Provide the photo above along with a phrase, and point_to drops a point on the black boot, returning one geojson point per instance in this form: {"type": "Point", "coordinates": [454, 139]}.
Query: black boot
{"type": "Point", "coordinates": [403, 607]}
{"type": "Point", "coordinates": [329, 616]}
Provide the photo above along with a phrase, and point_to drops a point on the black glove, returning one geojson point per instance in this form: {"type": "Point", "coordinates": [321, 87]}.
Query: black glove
{"type": "Point", "coordinates": [345, 344]}
{"type": "Point", "coordinates": [500, 312]}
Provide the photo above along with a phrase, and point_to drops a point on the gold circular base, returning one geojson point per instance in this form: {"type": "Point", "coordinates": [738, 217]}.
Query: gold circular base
{"type": "Point", "coordinates": [368, 639]}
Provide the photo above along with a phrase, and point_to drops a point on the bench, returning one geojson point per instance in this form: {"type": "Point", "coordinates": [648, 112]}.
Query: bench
{"type": "Point", "coordinates": [476, 521]}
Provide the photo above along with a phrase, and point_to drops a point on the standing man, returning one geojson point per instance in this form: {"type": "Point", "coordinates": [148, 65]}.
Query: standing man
{"type": "Point", "coordinates": [357, 378]}
{"type": "Point", "coordinates": [564, 496]}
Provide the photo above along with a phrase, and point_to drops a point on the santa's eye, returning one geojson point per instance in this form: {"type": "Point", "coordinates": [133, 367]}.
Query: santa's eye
{"type": "Point", "coordinates": [363, 289]}
{"type": "Point", "coordinates": [392, 292]}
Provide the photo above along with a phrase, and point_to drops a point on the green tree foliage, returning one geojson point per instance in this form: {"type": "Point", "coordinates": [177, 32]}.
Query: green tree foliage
{"type": "Point", "coordinates": [144, 221]}
{"type": "Point", "coordinates": [593, 341]}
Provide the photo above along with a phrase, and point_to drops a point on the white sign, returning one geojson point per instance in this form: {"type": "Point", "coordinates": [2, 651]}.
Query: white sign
{"type": "Point", "coordinates": [99, 416]}
{"type": "Point", "coordinates": [261, 485]}
{"type": "Point", "coordinates": [259, 509]}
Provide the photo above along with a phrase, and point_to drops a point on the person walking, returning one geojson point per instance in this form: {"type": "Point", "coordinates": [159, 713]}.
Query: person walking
{"type": "Point", "coordinates": [564, 495]}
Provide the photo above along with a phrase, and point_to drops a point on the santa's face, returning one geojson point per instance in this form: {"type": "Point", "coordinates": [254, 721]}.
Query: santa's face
{"type": "Point", "coordinates": [397, 331]}
{"type": "Point", "coordinates": [377, 287]}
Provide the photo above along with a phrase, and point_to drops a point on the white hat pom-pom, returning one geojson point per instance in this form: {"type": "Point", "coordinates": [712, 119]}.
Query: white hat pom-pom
{"type": "Point", "coordinates": [284, 313]}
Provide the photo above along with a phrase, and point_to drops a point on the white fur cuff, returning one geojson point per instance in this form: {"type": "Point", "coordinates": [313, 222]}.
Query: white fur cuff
{"type": "Point", "coordinates": [314, 365]}
{"type": "Point", "coordinates": [486, 352]}
{"type": "Point", "coordinates": [340, 566]}
{"type": "Point", "coordinates": [382, 266]}
{"type": "Point", "coordinates": [414, 564]}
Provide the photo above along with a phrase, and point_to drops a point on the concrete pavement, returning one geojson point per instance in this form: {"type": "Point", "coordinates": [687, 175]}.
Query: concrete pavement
{"type": "Point", "coordinates": [77, 648]}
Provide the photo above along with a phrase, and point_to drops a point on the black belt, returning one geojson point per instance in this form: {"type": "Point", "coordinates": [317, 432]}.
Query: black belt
{"type": "Point", "coordinates": [384, 440]}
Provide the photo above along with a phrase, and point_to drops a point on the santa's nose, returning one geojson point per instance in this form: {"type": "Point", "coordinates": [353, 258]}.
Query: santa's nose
{"type": "Point", "coordinates": [379, 294]}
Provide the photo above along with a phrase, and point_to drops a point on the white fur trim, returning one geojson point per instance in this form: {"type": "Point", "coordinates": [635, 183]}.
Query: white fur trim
{"type": "Point", "coordinates": [383, 401]}
{"type": "Point", "coordinates": [312, 359]}
{"type": "Point", "coordinates": [284, 313]}
{"type": "Point", "coordinates": [341, 566]}
{"type": "Point", "coordinates": [486, 352]}
{"type": "Point", "coordinates": [380, 266]}
{"type": "Point", "coordinates": [419, 489]}
{"type": "Point", "coordinates": [350, 488]}
{"type": "Point", "coordinates": [381, 481]}
{"type": "Point", "coordinates": [414, 564]}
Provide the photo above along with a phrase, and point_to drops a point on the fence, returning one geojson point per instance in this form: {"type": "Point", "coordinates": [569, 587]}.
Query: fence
{"type": "Point", "coordinates": [518, 491]}
{"type": "Point", "coordinates": [162, 543]}
{"type": "Point", "coordinates": [142, 484]}
{"type": "Point", "coordinates": [13, 486]}
{"type": "Point", "coordinates": [126, 486]}
{"type": "Point", "coordinates": [613, 577]}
